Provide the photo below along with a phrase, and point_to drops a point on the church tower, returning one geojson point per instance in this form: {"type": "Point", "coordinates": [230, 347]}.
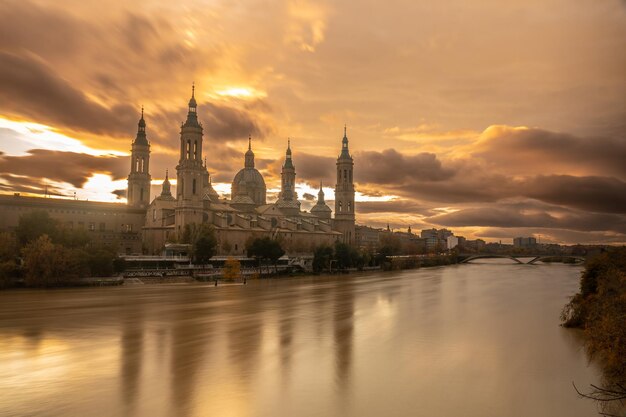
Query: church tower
{"type": "Point", "coordinates": [344, 193]}
{"type": "Point", "coordinates": [287, 175]}
{"type": "Point", "coordinates": [138, 193]}
{"type": "Point", "coordinates": [189, 171]}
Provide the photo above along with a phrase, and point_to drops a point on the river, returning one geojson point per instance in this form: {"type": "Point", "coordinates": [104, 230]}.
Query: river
{"type": "Point", "coordinates": [472, 340]}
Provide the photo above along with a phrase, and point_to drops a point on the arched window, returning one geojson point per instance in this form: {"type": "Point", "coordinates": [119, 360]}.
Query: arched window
{"type": "Point", "coordinates": [137, 164]}
{"type": "Point", "coordinates": [349, 206]}
{"type": "Point", "coordinates": [195, 150]}
{"type": "Point", "coordinates": [345, 174]}
{"type": "Point", "coordinates": [141, 194]}
{"type": "Point", "coordinates": [193, 186]}
{"type": "Point", "coordinates": [340, 207]}
{"type": "Point", "coordinates": [143, 164]}
{"type": "Point", "coordinates": [188, 150]}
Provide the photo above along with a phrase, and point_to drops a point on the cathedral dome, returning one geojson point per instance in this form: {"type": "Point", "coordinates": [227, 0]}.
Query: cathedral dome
{"type": "Point", "coordinates": [321, 209]}
{"type": "Point", "coordinates": [250, 176]}
{"type": "Point", "coordinates": [249, 180]}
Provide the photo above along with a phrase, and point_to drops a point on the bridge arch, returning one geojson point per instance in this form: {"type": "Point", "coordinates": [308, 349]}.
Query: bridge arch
{"type": "Point", "coordinates": [489, 256]}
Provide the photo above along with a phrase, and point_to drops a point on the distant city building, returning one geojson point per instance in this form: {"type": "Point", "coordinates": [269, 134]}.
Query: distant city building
{"type": "Point", "coordinates": [473, 245]}
{"type": "Point", "coordinates": [524, 242]}
{"type": "Point", "coordinates": [367, 237]}
{"type": "Point", "coordinates": [452, 242]}
{"type": "Point", "coordinates": [436, 239]}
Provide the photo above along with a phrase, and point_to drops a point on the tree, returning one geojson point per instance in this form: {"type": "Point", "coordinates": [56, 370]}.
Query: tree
{"type": "Point", "coordinates": [265, 249]}
{"type": "Point", "coordinates": [347, 256]}
{"type": "Point", "coordinates": [203, 242]}
{"type": "Point", "coordinates": [599, 310]}
{"type": "Point", "coordinates": [9, 251]}
{"type": "Point", "coordinates": [232, 269]}
{"type": "Point", "coordinates": [35, 224]}
{"type": "Point", "coordinates": [47, 264]}
{"type": "Point", "coordinates": [100, 262]}
{"type": "Point", "coordinates": [204, 249]}
{"type": "Point", "coordinates": [322, 257]}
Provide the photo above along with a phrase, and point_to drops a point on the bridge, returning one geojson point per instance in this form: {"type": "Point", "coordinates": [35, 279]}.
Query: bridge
{"type": "Point", "coordinates": [463, 259]}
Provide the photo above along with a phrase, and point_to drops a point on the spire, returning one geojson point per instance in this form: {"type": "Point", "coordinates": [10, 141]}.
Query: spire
{"type": "Point", "coordinates": [288, 162]}
{"type": "Point", "coordinates": [192, 116]}
{"type": "Point", "coordinates": [345, 152]}
{"type": "Point", "coordinates": [166, 190]}
{"type": "Point", "coordinates": [141, 131]}
{"type": "Point", "coordinates": [249, 159]}
{"type": "Point", "coordinates": [320, 195]}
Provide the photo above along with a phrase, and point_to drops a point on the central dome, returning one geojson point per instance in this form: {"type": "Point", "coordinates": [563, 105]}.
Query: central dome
{"type": "Point", "coordinates": [249, 181]}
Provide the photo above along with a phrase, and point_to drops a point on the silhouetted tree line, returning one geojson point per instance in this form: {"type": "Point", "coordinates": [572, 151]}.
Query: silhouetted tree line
{"type": "Point", "coordinates": [340, 256]}
{"type": "Point", "coordinates": [44, 254]}
{"type": "Point", "coordinates": [265, 251]}
{"type": "Point", "coordinates": [599, 309]}
{"type": "Point", "coordinates": [203, 242]}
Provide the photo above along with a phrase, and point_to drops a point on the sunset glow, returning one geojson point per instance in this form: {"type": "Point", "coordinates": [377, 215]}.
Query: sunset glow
{"type": "Point", "coordinates": [438, 113]}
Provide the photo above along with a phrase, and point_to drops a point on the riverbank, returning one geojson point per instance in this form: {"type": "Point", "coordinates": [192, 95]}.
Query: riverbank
{"type": "Point", "coordinates": [599, 309]}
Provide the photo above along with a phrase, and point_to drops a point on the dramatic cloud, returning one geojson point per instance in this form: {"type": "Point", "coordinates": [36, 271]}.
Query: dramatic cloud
{"type": "Point", "coordinates": [392, 167]}
{"type": "Point", "coordinates": [393, 206]}
{"type": "Point", "coordinates": [515, 217]}
{"type": "Point", "coordinates": [444, 121]}
{"type": "Point", "coordinates": [68, 167]}
{"type": "Point", "coordinates": [312, 168]}
{"type": "Point", "coordinates": [536, 150]}
{"type": "Point", "coordinates": [29, 88]}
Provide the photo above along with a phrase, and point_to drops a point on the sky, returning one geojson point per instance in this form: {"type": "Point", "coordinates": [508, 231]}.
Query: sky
{"type": "Point", "coordinates": [492, 118]}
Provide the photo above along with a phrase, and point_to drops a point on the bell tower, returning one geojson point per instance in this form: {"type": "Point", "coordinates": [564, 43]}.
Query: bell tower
{"type": "Point", "coordinates": [138, 193]}
{"type": "Point", "coordinates": [287, 175]}
{"type": "Point", "coordinates": [190, 171]}
{"type": "Point", "coordinates": [344, 193]}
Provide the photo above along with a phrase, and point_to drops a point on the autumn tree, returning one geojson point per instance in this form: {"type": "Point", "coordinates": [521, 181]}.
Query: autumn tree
{"type": "Point", "coordinates": [47, 264]}
{"type": "Point", "coordinates": [232, 269]}
{"type": "Point", "coordinates": [9, 251]}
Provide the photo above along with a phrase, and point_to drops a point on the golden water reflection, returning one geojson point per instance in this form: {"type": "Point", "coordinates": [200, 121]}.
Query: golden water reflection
{"type": "Point", "coordinates": [472, 340]}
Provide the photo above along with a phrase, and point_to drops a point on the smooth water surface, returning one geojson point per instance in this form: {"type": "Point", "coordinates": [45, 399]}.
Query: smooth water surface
{"type": "Point", "coordinates": [468, 340]}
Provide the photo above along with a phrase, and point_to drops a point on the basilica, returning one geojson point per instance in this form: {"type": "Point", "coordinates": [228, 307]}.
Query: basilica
{"type": "Point", "coordinates": [247, 214]}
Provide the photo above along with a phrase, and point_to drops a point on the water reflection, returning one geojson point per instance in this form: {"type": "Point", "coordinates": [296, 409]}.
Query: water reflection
{"type": "Point", "coordinates": [132, 357]}
{"type": "Point", "coordinates": [343, 333]}
{"type": "Point", "coordinates": [475, 340]}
